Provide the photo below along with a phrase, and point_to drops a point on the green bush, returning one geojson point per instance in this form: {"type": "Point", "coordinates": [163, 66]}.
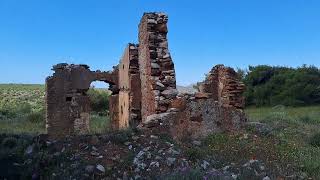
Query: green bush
{"type": "Point", "coordinates": [99, 101]}
{"type": "Point", "coordinates": [9, 142]}
{"type": "Point", "coordinates": [195, 153]}
{"type": "Point", "coordinates": [11, 110]}
{"type": "Point", "coordinates": [272, 85]}
{"type": "Point", "coordinates": [315, 140]}
{"type": "Point", "coordinates": [36, 116]}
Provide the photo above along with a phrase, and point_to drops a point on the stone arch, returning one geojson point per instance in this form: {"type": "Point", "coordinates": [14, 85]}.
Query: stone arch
{"type": "Point", "coordinates": [67, 102]}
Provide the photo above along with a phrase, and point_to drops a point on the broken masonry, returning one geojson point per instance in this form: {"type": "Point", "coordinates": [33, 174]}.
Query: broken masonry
{"type": "Point", "coordinates": [144, 92]}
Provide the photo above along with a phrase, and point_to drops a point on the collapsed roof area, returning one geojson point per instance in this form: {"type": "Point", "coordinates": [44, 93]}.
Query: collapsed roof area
{"type": "Point", "coordinates": [144, 92]}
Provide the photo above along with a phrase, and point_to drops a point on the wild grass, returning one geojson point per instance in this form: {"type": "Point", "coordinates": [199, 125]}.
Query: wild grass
{"type": "Point", "coordinates": [298, 128]}
{"type": "Point", "coordinates": [99, 124]}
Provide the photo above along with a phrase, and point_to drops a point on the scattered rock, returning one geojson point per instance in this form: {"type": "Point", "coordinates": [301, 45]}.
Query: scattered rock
{"type": "Point", "coordinates": [155, 119]}
{"type": "Point", "coordinates": [197, 143]}
{"type": "Point", "coordinates": [94, 153]}
{"type": "Point", "coordinates": [266, 178]}
{"type": "Point", "coordinates": [173, 151]}
{"type": "Point", "coordinates": [170, 93]}
{"type": "Point", "coordinates": [89, 169]}
{"type": "Point", "coordinates": [94, 148]}
{"type": "Point", "coordinates": [155, 164]}
{"type": "Point", "coordinates": [205, 165]}
{"type": "Point", "coordinates": [260, 128]}
{"type": "Point", "coordinates": [170, 161]}
{"type": "Point", "coordinates": [101, 168]}
{"type": "Point", "coordinates": [29, 150]}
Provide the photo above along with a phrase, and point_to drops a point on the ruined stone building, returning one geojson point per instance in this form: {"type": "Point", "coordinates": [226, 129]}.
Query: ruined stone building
{"type": "Point", "coordinates": [144, 93]}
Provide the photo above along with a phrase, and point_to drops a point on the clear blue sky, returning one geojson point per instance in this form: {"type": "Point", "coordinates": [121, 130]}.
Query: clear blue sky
{"type": "Point", "coordinates": [35, 34]}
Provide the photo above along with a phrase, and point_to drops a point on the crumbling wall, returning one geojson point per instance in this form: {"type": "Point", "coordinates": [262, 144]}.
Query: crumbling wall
{"type": "Point", "coordinates": [135, 86]}
{"type": "Point", "coordinates": [124, 90]}
{"type": "Point", "coordinates": [218, 107]}
{"type": "Point", "coordinates": [144, 92]}
{"type": "Point", "coordinates": [157, 74]}
{"type": "Point", "coordinates": [193, 116]}
{"type": "Point", "coordinates": [200, 115]}
{"type": "Point", "coordinates": [130, 90]}
{"type": "Point", "coordinates": [225, 87]}
{"type": "Point", "coordinates": [67, 102]}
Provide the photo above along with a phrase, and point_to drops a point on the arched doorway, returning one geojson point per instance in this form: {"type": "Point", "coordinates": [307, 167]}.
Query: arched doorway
{"type": "Point", "coordinates": [100, 120]}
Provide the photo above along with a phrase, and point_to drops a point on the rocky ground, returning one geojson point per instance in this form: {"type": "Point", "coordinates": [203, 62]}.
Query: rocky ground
{"type": "Point", "coordinates": [135, 155]}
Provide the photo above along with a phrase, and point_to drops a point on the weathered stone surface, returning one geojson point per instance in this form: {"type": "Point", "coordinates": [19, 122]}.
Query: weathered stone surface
{"type": "Point", "coordinates": [67, 103]}
{"type": "Point", "coordinates": [170, 93]}
{"type": "Point", "coordinates": [223, 83]}
{"type": "Point", "coordinates": [155, 62]}
{"type": "Point", "coordinates": [201, 117]}
{"type": "Point", "coordinates": [202, 95]}
{"type": "Point", "coordinates": [130, 91]}
{"type": "Point", "coordinates": [156, 119]}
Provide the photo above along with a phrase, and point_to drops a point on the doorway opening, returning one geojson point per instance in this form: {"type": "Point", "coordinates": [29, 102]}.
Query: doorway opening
{"type": "Point", "coordinates": [100, 120]}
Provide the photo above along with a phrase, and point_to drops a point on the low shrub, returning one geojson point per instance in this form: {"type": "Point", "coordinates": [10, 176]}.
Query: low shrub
{"type": "Point", "coordinates": [121, 136]}
{"type": "Point", "coordinates": [196, 153]}
{"type": "Point", "coordinates": [99, 100]}
{"type": "Point", "coordinates": [315, 140]}
{"type": "Point", "coordinates": [36, 116]}
{"type": "Point", "coordinates": [9, 142]}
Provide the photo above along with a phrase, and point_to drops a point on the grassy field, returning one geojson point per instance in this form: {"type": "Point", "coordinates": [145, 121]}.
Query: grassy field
{"type": "Point", "coordinates": [298, 128]}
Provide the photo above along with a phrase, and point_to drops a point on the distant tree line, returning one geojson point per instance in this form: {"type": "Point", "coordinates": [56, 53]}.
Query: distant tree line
{"type": "Point", "coordinates": [278, 85]}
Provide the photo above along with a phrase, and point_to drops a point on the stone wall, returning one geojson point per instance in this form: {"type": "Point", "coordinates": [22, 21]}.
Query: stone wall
{"type": "Point", "coordinates": [135, 86]}
{"type": "Point", "coordinates": [144, 92]}
{"type": "Point", "coordinates": [157, 74]}
{"type": "Point", "coordinates": [225, 87]}
{"type": "Point", "coordinates": [199, 116]}
{"type": "Point", "coordinates": [130, 91]}
{"type": "Point", "coordinates": [67, 102]}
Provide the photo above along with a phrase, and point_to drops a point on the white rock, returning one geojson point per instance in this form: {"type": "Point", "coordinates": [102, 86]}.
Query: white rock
{"type": "Point", "coordinates": [266, 178]}
{"type": "Point", "coordinates": [160, 84]}
{"type": "Point", "coordinates": [205, 165]}
{"type": "Point", "coordinates": [170, 161]}
{"type": "Point", "coordinates": [101, 168]}
{"type": "Point", "coordinates": [155, 66]}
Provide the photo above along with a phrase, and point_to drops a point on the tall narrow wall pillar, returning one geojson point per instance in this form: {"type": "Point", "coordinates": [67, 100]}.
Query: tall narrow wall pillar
{"type": "Point", "coordinates": [157, 74]}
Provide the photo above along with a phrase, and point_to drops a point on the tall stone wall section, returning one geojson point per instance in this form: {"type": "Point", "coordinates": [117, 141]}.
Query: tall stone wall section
{"type": "Point", "coordinates": [135, 86]}
{"type": "Point", "coordinates": [130, 90]}
{"type": "Point", "coordinates": [157, 74]}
